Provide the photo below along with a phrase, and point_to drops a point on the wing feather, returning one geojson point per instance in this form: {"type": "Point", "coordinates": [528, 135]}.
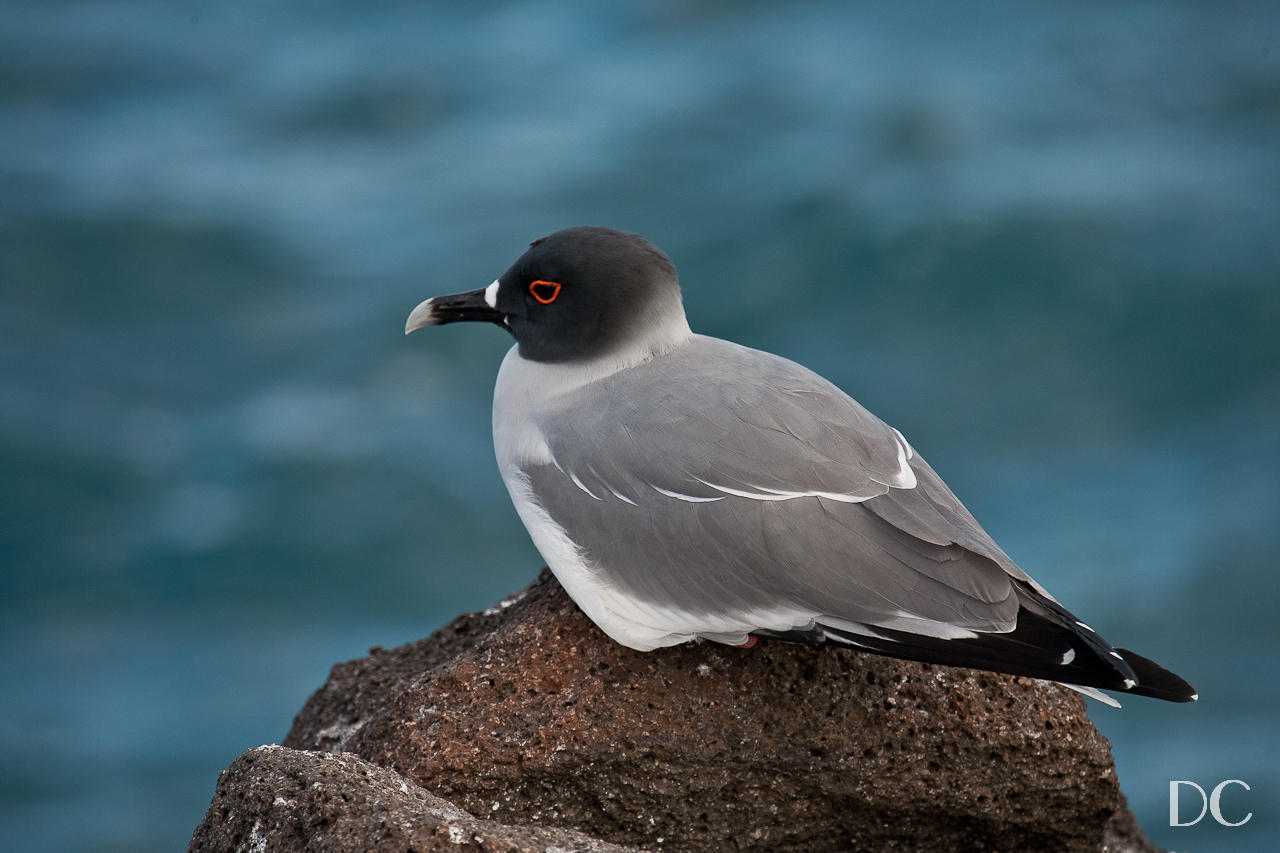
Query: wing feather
{"type": "Point", "coordinates": [674, 504]}
{"type": "Point", "coordinates": [750, 496]}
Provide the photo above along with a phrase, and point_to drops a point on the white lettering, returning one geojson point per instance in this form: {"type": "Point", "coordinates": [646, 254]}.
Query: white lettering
{"type": "Point", "coordinates": [1215, 803]}
{"type": "Point", "coordinates": [1173, 802]}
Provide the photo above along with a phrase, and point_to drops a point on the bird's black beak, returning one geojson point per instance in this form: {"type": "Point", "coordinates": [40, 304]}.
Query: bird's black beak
{"type": "Point", "coordinates": [439, 310]}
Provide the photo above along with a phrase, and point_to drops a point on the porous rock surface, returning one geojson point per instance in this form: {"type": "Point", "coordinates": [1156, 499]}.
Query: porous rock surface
{"type": "Point", "coordinates": [277, 799]}
{"type": "Point", "coordinates": [527, 714]}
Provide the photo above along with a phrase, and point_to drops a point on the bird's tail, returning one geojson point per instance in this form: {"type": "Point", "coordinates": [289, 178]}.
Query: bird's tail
{"type": "Point", "coordinates": [1047, 642]}
{"type": "Point", "coordinates": [1156, 681]}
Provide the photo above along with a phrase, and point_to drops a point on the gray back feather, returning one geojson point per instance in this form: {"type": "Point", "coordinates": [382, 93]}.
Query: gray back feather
{"type": "Point", "coordinates": [646, 463]}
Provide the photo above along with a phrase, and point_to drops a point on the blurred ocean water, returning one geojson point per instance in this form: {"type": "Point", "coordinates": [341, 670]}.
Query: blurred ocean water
{"type": "Point", "coordinates": [1040, 241]}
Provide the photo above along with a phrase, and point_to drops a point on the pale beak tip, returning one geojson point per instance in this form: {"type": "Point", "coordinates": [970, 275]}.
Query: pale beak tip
{"type": "Point", "coordinates": [419, 317]}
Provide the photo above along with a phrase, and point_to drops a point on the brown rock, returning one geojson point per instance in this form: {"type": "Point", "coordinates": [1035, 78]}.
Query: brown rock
{"type": "Point", "coordinates": [527, 713]}
{"type": "Point", "coordinates": [278, 799]}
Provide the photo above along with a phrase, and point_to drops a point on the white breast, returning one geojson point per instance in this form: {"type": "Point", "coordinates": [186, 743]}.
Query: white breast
{"type": "Point", "coordinates": [524, 391]}
{"type": "Point", "coordinates": [527, 391]}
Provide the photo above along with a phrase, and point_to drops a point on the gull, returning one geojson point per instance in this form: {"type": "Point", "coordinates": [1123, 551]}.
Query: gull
{"type": "Point", "coordinates": [683, 487]}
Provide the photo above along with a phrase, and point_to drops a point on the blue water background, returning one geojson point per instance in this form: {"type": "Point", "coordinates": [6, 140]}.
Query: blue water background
{"type": "Point", "coordinates": [1044, 241]}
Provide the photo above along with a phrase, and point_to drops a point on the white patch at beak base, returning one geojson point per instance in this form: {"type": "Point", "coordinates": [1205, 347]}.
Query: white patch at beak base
{"type": "Point", "coordinates": [491, 294]}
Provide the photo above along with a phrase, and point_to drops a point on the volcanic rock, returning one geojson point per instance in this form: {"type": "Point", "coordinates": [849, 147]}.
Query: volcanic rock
{"type": "Point", "coordinates": [278, 799]}
{"type": "Point", "coordinates": [527, 714]}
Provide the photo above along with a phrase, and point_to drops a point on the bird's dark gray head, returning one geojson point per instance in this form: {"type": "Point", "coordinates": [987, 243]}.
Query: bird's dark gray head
{"type": "Point", "coordinates": [578, 294]}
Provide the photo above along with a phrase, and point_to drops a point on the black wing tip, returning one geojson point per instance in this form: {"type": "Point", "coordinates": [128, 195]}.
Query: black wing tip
{"type": "Point", "coordinates": [1157, 682]}
{"type": "Point", "coordinates": [1121, 671]}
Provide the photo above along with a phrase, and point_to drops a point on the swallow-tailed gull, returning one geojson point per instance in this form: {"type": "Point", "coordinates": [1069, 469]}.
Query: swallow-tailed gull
{"type": "Point", "coordinates": [682, 487]}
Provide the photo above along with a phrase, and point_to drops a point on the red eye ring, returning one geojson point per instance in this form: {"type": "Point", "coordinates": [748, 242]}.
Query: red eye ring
{"type": "Point", "coordinates": [539, 290]}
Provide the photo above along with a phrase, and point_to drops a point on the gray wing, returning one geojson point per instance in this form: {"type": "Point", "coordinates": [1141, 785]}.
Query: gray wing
{"type": "Point", "coordinates": [725, 480]}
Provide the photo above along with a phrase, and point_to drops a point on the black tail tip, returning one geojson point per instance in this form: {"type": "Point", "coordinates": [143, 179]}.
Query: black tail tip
{"type": "Point", "coordinates": [1156, 681]}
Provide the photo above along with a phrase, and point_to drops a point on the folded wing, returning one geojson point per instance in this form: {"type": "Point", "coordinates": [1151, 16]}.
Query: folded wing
{"type": "Point", "coordinates": [780, 506]}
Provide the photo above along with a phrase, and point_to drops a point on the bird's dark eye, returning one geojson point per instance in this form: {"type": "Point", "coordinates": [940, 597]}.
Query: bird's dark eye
{"type": "Point", "coordinates": [545, 292]}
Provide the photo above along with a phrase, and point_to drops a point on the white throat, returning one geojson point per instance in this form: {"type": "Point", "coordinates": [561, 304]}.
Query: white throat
{"type": "Point", "coordinates": [527, 388]}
